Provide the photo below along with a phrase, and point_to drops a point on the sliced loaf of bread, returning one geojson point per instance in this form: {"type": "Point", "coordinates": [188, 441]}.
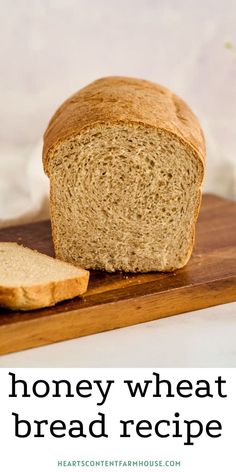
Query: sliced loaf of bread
{"type": "Point", "coordinates": [30, 280]}
{"type": "Point", "coordinates": [125, 158]}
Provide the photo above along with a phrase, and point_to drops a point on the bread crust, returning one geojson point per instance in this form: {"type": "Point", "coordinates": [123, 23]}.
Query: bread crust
{"type": "Point", "coordinates": [124, 100]}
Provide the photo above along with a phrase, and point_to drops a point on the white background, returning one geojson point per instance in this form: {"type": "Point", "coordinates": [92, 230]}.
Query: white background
{"type": "Point", "coordinates": [42, 454]}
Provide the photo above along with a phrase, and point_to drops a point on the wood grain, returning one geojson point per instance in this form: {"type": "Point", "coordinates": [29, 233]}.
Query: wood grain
{"type": "Point", "coordinates": [117, 300]}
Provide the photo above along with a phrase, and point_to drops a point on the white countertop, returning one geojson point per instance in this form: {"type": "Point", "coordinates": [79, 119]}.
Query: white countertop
{"type": "Point", "coordinates": [204, 338]}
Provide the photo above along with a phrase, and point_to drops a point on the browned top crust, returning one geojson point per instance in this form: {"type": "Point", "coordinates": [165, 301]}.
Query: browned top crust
{"type": "Point", "coordinates": [128, 100]}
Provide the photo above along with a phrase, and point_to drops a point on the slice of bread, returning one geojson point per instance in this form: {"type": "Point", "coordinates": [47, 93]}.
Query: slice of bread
{"type": "Point", "coordinates": [125, 158]}
{"type": "Point", "coordinates": [30, 280]}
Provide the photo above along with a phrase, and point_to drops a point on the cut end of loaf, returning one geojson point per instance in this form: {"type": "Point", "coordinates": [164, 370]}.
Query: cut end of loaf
{"type": "Point", "coordinates": [124, 197]}
{"type": "Point", "coordinates": [31, 280]}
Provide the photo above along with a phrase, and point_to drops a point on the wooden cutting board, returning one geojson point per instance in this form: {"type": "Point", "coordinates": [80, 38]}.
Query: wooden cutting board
{"type": "Point", "coordinates": [117, 300]}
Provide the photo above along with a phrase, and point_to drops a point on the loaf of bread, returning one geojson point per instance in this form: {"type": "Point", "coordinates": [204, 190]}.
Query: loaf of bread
{"type": "Point", "coordinates": [125, 158]}
{"type": "Point", "coordinates": [30, 280]}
